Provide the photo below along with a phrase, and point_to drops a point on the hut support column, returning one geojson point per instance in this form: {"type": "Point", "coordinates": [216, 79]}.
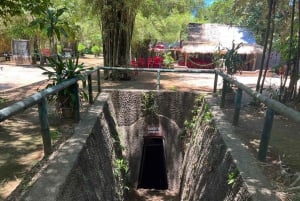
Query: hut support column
{"type": "Point", "coordinates": [185, 59]}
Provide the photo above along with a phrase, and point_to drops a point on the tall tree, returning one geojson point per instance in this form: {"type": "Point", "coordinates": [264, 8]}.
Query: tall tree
{"type": "Point", "coordinates": [51, 22]}
{"type": "Point", "coordinates": [292, 89]}
{"type": "Point", "coordinates": [298, 58]}
{"type": "Point", "coordinates": [221, 12]}
{"type": "Point", "coordinates": [252, 14]}
{"type": "Point", "coordinates": [117, 21]}
{"type": "Point", "coordinates": [270, 43]}
{"type": "Point", "coordinates": [118, 18]}
{"type": "Point", "coordinates": [266, 40]}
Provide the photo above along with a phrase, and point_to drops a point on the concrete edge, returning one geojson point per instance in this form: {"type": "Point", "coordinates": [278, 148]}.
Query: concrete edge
{"type": "Point", "coordinates": [253, 177]}
{"type": "Point", "coordinates": [58, 167]}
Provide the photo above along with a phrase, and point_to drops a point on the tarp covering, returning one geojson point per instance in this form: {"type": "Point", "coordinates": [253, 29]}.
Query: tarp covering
{"type": "Point", "coordinates": [208, 38]}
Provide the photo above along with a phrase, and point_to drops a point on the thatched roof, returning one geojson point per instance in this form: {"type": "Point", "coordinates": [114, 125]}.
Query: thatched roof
{"type": "Point", "coordinates": [207, 38]}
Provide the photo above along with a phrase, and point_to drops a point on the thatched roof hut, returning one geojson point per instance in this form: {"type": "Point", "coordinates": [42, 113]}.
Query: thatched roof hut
{"type": "Point", "coordinates": [209, 38]}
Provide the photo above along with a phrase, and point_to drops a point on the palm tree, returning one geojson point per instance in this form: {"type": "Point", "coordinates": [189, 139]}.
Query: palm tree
{"type": "Point", "coordinates": [51, 22]}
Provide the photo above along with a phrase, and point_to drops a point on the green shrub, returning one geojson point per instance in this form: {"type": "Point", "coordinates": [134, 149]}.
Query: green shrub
{"type": "Point", "coordinates": [81, 48]}
{"type": "Point", "coordinates": [96, 50]}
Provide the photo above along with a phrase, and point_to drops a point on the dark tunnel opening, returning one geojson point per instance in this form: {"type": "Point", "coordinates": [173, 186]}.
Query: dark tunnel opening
{"type": "Point", "coordinates": [153, 171]}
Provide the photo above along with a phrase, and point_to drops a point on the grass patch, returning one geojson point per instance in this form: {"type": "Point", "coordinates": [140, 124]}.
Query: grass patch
{"type": "Point", "coordinates": [2, 100]}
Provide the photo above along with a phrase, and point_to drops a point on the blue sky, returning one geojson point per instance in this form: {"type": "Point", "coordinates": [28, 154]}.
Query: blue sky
{"type": "Point", "coordinates": [208, 2]}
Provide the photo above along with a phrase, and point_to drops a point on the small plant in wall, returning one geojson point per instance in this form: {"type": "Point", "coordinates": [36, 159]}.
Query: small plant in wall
{"type": "Point", "coordinates": [232, 177]}
{"type": "Point", "coordinates": [189, 125]}
{"type": "Point", "coordinates": [149, 106]}
{"type": "Point", "coordinates": [120, 171]}
{"type": "Point", "coordinates": [207, 117]}
{"type": "Point", "coordinates": [2, 101]}
{"type": "Point", "coordinates": [121, 167]}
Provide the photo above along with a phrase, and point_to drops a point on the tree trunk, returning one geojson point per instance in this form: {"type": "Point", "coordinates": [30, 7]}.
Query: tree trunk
{"type": "Point", "coordinates": [273, 8]}
{"type": "Point", "coordinates": [289, 91]}
{"type": "Point", "coordinates": [270, 2]}
{"type": "Point", "coordinates": [117, 29]}
{"type": "Point", "coordinates": [298, 56]}
{"type": "Point", "coordinates": [35, 49]}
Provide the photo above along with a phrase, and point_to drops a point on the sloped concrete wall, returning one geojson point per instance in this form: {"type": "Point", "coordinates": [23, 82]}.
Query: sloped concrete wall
{"type": "Point", "coordinates": [214, 153]}
{"type": "Point", "coordinates": [173, 109]}
{"type": "Point", "coordinates": [83, 169]}
{"type": "Point", "coordinates": [206, 167]}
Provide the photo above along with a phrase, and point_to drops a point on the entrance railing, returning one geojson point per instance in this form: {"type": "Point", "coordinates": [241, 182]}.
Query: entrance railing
{"type": "Point", "coordinates": [40, 100]}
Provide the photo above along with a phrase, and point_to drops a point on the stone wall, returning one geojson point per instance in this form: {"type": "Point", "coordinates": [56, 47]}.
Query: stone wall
{"type": "Point", "coordinates": [217, 167]}
{"type": "Point", "coordinates": [83, 168]}
{"type": "Point", "coordinates": [173, 109]}
{"type": "Point", "coordinates": [207, 165]}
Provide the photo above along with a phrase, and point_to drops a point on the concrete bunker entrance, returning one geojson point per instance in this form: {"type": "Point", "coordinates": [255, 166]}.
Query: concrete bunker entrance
{"type": "Point", "coordinates": [153, 171]}
{"type": "Point", "coordinates": [194, 169]}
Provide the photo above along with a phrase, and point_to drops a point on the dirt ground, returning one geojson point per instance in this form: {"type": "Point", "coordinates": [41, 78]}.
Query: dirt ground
{"type": "Point", "coordinates": [21, 149]}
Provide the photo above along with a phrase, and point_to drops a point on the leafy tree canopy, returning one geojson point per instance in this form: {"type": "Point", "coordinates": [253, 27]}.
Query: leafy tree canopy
{"type": "Point", "coordinates": [9, 8]}
{"type": "Point", "coordinates": [166, 20]}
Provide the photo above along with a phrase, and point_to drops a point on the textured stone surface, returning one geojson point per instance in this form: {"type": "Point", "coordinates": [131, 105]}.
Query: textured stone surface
{"type": "Point", "coordinates": [206, 167]}
{"type": "Point", "coordinates": [83, 169]}
{"type": "Point", "coordinates": [173, 109]}
{"type": "Point", "coordinates": [213, 154]}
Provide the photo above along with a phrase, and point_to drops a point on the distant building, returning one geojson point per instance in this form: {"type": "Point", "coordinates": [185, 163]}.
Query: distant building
{"type": "Point", "coordinates": [21, 52]}
{"type": "Point", "coordinates": [206, 39]}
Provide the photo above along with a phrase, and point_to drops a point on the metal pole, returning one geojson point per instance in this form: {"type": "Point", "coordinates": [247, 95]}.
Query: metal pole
{"type": "Point", "coordinates": [275, 105]}
{"type": "Point", "coordinates": [98, 81]}
{"type": "Point", "coordinates": [266, 134]}
{"type": "Point", "coordinates": [237, 104]}
{"type": "Point", "coordinates": [158, 79]}
{"type": "Point", "coordinates": [225, 83]}
{"type": "Point", "coordinates": [90, 89]}
{"type": "Point", "coordinates": [43, 115]}
{"type": "Point", "coordinates": [77, 102]}
{"type": "Point", "coordinates": [215, 83]}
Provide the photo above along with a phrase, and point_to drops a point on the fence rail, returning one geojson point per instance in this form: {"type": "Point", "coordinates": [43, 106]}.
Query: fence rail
{"type": "Point", "coordinates": [272, 106]}
{"type": "Point", "coordinates": [40, 100]}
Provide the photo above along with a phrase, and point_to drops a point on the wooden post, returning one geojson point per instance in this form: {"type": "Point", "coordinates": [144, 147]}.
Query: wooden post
{"type": "Point", "coordinates": [43, 115]}
{"type": "Point", "coordinates": [266, 134]}
{"type": "Point", "coordinates": [237, 104]}
{"type": "Point", "coordinates": [215, 82]}
{"type": "Point", "coordinates": [225, 83]}
{"type": "Point", "coordinates": [90, 89]}
{"type": "Point", "coordinates": [158, 80]}
{"type": "Point", "coordinates": [98, 81]}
